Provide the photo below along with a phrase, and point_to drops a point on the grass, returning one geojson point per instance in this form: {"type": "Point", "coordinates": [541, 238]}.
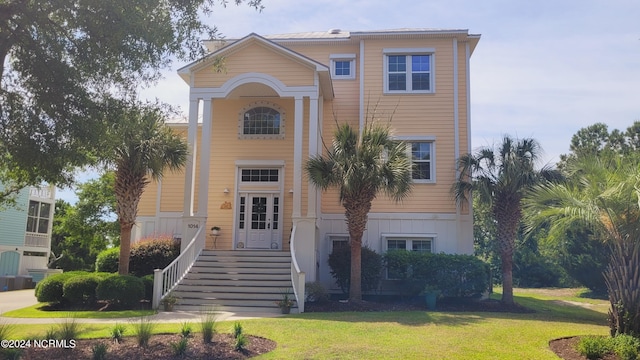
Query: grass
{"type": "Point", "coordinates": [37, 311]}
{"type": "Point", "coordinates": [416, 334]}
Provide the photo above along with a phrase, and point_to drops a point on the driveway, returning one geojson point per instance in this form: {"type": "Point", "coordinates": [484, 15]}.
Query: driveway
{"type": "Point", "coordinates": [17, 299]}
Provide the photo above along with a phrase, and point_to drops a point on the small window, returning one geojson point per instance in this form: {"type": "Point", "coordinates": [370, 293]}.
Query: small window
{"type": "Point", "coordinates": [408, 73]}
{"type": "Point", "coordinates": [338, 242]}
{"type": "Point", "coordinates": [259, 175]}
{"type": "Point", "coordinates": [343, 66]}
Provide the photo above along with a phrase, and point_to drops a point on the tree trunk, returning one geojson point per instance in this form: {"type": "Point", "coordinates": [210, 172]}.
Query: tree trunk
{"type": "Point", "coordinates": [507, 213]}
{"type": "Point", "coordinates": [355, 287]}
{"type": "Point", "coordinates": [125, 249]}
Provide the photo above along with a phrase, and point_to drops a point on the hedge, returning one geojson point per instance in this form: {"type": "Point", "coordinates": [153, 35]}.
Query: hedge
{"type": "Point", "coordinates": [145, 256]}
{"type": "Point", "coordinates": [50, 289]}
{"type": "Point", "coordinates": [453, 275]}
{"type": "Point", "coordinates": [340, 264]}
{"type": "Point", "coordinates": [125, 290]}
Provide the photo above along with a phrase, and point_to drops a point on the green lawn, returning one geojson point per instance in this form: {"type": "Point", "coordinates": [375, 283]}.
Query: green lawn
{"type": "Point", "coordinates": [35, 311]}
{"type": "Point", "coordinates": [417, 334]}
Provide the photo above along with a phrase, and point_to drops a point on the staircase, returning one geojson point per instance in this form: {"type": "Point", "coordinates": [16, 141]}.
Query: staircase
{"type": "Point", "coordinates": [236, 281]}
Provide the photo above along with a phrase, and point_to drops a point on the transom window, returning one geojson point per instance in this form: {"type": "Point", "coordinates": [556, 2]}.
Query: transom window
{"type": "Point", "coordinates": [38, 217]}
{"type": "Point", "coordinates": [261, 120]}
{"type": "Point", "coordinates": [408, 73]}
{"type": "Point", "coordinates": [259, 175]}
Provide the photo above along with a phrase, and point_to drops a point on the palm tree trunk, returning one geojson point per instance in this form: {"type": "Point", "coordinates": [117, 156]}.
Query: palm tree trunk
{"type": "Point", "coordinates": [508, 218]}
{"type": "Point", "coordinates": [355, 287]}
{"type": "Point", "coordinates": [356, 210]}
{"type": "Point", "coordinates": [125, 249]}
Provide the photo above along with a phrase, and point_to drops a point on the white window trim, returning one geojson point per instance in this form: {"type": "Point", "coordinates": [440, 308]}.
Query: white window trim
{"type": "Point", "coordinates": [429, 139]}
{"type": "Point", "coordinates": [409, 51]}
{"type": "Point", "coordinates": [351, 58]}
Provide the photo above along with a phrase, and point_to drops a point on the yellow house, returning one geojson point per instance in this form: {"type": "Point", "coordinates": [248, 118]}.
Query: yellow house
{"type": "Point", "coordinates": [260, 106]}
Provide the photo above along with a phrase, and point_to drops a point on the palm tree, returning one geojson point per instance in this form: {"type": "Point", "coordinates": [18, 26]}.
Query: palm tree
{"type": "Point", "coordinates": [502, 176]}
{"type": "Point", "coordinates": [603, 196]}
{"type": "Point", "coordinates": [140, 146]}
{"type": "Point", "coordinates": [361, 166]}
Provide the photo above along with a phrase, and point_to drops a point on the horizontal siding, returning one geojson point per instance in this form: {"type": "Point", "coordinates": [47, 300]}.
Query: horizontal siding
{"type": "Point", "coordinates": [13, 221]}
{"type": "Point", "coordinates": [147, 204]}
{"type": "Point", "coordinates": [256, 59]}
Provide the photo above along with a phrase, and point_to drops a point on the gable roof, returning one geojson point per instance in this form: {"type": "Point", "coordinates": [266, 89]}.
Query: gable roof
{"type": "Point", "coordinates": [253, 39]}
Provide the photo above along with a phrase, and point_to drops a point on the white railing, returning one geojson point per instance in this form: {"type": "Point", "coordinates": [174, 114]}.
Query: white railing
{"type": "Point", "coordinates": [36, 240]}
{"type": "Point", "coordinates": [297, 276]}
{"type": "Point", "coordinates": [166, 279]}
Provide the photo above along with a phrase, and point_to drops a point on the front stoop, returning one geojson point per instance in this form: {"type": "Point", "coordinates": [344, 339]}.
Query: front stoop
{"type": "Point", "coordinates": [236, 281]}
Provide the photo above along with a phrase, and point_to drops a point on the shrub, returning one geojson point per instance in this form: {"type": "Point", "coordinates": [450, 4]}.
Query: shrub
{"type": "Point", "coordinates": [69, 329]}
{"type": "Point", "coordinates": [107, 260]}
{"type": "Point", "coordinates": [147, 281]}
{"type": "Point", "coordinates": [241, 342]}
{"type": "Point", "coordinates": [316, 292]}
{"type": "Point", "coordinates": [51, 289]}
{"type": "Point", "coordinates": [454, 275]}
{"type": "Point", "coordinates": [153, 253]}
{"type": "Point", "coordinates": [80, 289]}
{"type": "Point", "coordinates": [340, 264]}
{"type": "Point", "coordinates": [186, 329]}
{"type": "Point", "coordinates": [237, 330]}
{"type": "Point", "coordinates": [626, 346]}
{"type": "Point", "coordinates": [125, 290]}
{"type": "Point", "coordinates": [594, 347]}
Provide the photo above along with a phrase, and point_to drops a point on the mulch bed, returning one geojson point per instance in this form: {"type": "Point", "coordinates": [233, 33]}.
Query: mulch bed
{"type": "Point", "coordinates": [159, 348]}
{"type": "Point", "coordinates": [565, 348]}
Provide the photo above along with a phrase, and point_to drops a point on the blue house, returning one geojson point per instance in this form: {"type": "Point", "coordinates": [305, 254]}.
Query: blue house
{"type": "Point", "coordinates": [25, 233]}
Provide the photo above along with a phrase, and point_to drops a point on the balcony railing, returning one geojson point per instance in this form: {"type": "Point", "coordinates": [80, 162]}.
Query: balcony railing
{"type": "Point", "coordinates": [36, 240]}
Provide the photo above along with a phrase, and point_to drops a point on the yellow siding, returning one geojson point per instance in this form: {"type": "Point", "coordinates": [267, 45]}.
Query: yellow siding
{"type": "Point", "coordinates": [147, 204]}
{"type": "Point", "coordinates": [256, 59]}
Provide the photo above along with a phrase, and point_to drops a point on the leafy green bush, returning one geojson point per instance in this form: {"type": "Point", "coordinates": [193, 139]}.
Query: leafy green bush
{"type": "Point", "coordinates": [80, 289]}
{"type": "Point", "coordinates": [340, 264]}
{"type": "Point", "coordinates": [594, 347]}
{"type": "Point", "coordinates": [147, 281]}
{"type": "Point", "coordinates": [107, 260]}
{"type": "Point", "coordinates": [50, 289]}
{"type": "Point", "coordinates": [125, 290]}
{"type": "Point", "coordinates": [453, 275]}
{"type": "Point", "coordinates": [316, 292]}
{"type": "Point", "coordinates": [626, 347]}
{"type": "Point", "coordinates": [153, 253]}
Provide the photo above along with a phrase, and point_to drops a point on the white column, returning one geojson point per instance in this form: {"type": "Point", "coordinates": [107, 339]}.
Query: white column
{"type": "Point", "coordinates": [313, 150]}
{"type": "Point", "coordinates": [190, 169]}
{"type": "Point", "coordinates": [205, 156]}
{"type": "Point", "coordinates": [297, 156]}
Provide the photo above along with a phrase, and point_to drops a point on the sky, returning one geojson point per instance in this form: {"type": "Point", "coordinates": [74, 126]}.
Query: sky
{"type": "Point", "coordinates": [542, 69]}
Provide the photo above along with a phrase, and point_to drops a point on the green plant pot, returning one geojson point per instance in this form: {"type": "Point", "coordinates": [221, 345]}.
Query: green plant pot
{"type": "Point", "coordinates": [430, 299]}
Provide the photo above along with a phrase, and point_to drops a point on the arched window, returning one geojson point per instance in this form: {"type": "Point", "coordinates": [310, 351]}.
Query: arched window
{"type": "Point", "coordinates": [261, 120]}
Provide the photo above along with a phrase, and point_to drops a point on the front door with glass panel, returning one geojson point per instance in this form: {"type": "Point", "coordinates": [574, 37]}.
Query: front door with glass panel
{"type": "Point", "coordinates": [258, 220]}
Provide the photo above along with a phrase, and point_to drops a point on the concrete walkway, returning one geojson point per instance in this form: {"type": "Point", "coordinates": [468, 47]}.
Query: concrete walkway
{"type": "Point", "coordinates": [18, 299]}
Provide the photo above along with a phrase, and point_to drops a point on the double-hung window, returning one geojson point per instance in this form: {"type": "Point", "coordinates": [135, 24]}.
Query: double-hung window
{"type": "Point", "coordinates": [419, 243]}
{"type": "Point", "coordinates": [421, 151]}
{"type": "Point", "coordinates": [408, 71]}
{"type": "Point", "coordinates": [38, 217]}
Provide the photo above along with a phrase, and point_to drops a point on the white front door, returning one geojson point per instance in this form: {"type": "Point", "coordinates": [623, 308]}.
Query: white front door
{"type": "Point", "coordinates": [260, 217]}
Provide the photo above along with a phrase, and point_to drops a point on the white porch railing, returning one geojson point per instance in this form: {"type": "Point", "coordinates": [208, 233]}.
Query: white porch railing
{"type": "Point", "coordinates": [36, 240]}
{"type": "Point", "coordinates": [166, 279]}
{"type": "Point", "coordinates": [297, 276]}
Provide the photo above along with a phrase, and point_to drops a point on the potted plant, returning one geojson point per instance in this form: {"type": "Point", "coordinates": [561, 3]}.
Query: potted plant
{"type": "Point", "coordinates": [169, 301]}
{"type": "Point", "coordinates": [431, 294]}
{"type": "Point", "coordinates": [215, 230]}
{"type": "Point", "coordinates": [286, 302]}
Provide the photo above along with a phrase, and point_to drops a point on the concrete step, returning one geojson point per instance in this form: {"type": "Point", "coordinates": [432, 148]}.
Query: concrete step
{"type": "Point", "coordinates": [234, 309]}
